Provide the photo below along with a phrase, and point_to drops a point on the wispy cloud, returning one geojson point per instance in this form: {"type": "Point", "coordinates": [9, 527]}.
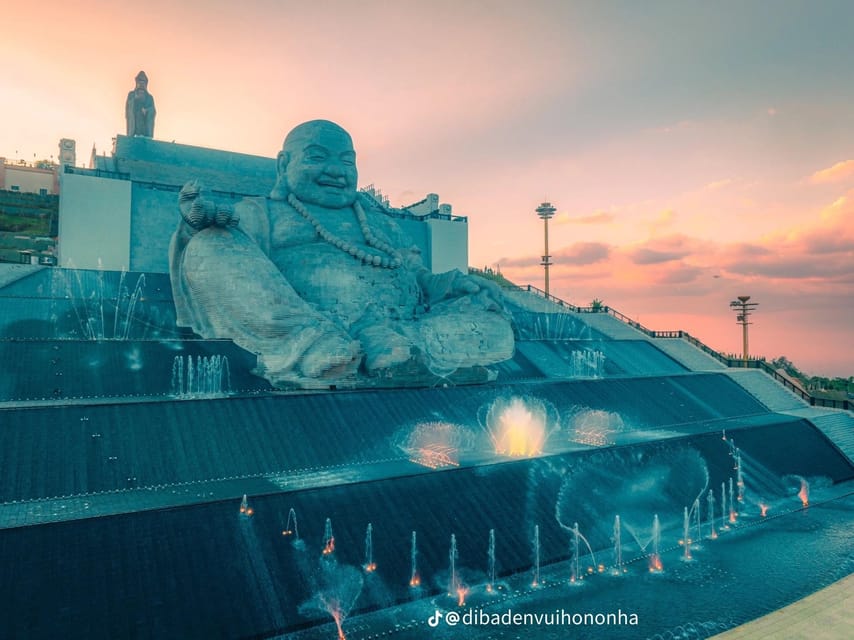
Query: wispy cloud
{"type": "Point", "coordinates": [600, 217]}
{"type": "Point", "coordinates": [583, 253]}
{"type": "Point", "coordinates": [577, 254]}
{"type": "Point", "coordinates": [644, 256]}
{"type": "Point", "coordinates": [717, 184]}
{"type": "Point", "coordinates": [843, 170]}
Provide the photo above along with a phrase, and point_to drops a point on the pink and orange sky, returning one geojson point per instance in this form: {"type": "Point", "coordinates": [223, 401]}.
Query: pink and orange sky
{"type": "Point", "coordinates": [695, 151]}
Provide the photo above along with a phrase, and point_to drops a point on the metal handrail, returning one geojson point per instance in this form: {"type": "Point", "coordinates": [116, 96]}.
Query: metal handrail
{"type": "Point", "coordinates": [751, 363]}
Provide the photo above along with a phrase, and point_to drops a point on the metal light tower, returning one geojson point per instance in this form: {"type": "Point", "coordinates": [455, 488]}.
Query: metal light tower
{"type": "Point", "coordinates": [546, 211]}
{"type": "Point", "coordinates": [744, 310]}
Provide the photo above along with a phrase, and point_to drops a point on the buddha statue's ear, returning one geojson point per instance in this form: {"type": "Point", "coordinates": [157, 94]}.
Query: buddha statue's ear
{"type": "Point", "coordinates": [282, 161]}
{"type": "Point", "coordinates": [280, 189]}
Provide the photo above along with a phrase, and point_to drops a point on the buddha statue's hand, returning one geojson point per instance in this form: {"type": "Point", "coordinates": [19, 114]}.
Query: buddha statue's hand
{"type": "Point", "coordinates": [455, 284]}
{"type": "Point", "coordinates": [488, 292]}
{"type": "Point", "coordinates": [200, 213]}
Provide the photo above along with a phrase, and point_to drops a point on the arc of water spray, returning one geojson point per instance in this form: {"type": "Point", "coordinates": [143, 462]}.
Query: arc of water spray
{"type": "Point", "coordinates": [577, 539]}
{"type": "Point", "coordinates": [292, 528]}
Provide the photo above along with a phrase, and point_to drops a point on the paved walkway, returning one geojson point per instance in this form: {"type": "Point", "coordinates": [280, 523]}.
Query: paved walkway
{"type": "Point", "coordinates": [825, 615]}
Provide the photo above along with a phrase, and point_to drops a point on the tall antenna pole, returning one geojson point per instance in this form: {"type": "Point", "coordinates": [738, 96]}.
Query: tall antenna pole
{"type": "Point", "coordinates": [744, 310]}
{"type": "Point", "coordinates": [546, 211]}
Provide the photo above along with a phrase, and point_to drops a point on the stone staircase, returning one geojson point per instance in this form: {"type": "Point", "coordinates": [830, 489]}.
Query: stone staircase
{"type": "Point", "coordinates": [611, 327]}
{"type": "Point", "coordinates": [767, 390]}
{"type": "Point", "coordinates": [532, 302]}
{"type": "Point", "coordinates": [688, 355]}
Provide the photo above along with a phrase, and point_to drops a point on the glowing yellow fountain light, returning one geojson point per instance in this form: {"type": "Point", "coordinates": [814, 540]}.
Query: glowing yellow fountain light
{"type": "Point", "coordinates": [520, 432]}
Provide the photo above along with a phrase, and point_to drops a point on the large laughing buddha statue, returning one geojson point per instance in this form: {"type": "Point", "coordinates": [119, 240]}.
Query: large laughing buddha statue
{"type": "Point", "coordinates": [322, 286]}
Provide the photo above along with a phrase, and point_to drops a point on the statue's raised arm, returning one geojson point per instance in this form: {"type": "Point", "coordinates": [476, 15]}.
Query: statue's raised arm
{"type": "Point", "coordinates": [324, 287]}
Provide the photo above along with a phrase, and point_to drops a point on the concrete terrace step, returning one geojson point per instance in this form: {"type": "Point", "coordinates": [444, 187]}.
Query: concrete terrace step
{"type": "Point", "coordinates": [688, 355]}
{"type": "Point", "coordinates": [765, 389]}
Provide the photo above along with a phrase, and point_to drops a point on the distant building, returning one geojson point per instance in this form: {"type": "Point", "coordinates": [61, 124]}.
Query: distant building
{"type": "Point", "coordinates": [122, 211]}
{"type": "Point", "coordinates": [29, 209]}
{"type": "Point", "coordinates": [23, 177]}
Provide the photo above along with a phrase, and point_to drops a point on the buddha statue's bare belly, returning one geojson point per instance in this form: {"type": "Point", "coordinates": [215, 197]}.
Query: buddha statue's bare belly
{"type": "Point", "coordinates": [345, 289]}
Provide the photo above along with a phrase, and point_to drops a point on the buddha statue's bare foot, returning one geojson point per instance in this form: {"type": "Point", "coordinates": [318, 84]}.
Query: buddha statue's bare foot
{"type": "Point", "coordinates": [384, 347]}
{"type": "Point", "coordinates": [331, 353]}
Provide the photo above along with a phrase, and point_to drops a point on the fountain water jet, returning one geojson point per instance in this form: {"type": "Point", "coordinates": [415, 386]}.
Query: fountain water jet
{"type": "Point", "coordinates": [202, 376]}
{"type": "Point", "coordinates": [338, 589]}
{"type": "Point", "coordinates": [696, 510]}
{"type": "Point", "coordinates": [711, 502]}
{"type": "Point", "coordinates": [618, 547]}
{"type": "Point", "coordinates": [733, 514]}
{"type": "Point", "coordinates": [453, 584]}
{"type": "Point", "coordinates": [291, 527]}
{"type": "Point", "coordinates": [587, 363]}
{"type": "Point", "coordinates": [804, 493]}
{"type": "Point", "coordinates": [577, 539]}
{"type": "Point", "coordinates": [490, 556]}
{"type": "Point", "coordinates": [369, 566]}
{"type": "Point", "coordinates": [686, 535]}
{"type": "Point", "coordinates": [536, 580]}
{"type": "Point", "coordinates": [655, 557]}
{"type": "Point", "coordinates": [328, 539]}
{"type": "Point", "coordinates": [414, 578]}
{"type": "Point", "coordinates": [245, 509]}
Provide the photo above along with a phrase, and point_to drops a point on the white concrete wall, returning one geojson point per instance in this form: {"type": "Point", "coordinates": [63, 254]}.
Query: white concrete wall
{"type": "Point", "coordinates": [449, 248]}
{"type": "Point", "coordinates": [94, 222]}
{"type": "Point", "coordinates": [28, 179]}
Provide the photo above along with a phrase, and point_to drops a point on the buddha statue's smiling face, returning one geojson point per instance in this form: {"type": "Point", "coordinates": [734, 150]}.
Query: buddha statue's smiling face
{"type": "Point", "coordinates": [319, 164]}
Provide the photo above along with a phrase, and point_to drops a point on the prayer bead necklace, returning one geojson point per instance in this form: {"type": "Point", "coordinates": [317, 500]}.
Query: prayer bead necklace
{"type": "Point", "coordinates": [392, 259]}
